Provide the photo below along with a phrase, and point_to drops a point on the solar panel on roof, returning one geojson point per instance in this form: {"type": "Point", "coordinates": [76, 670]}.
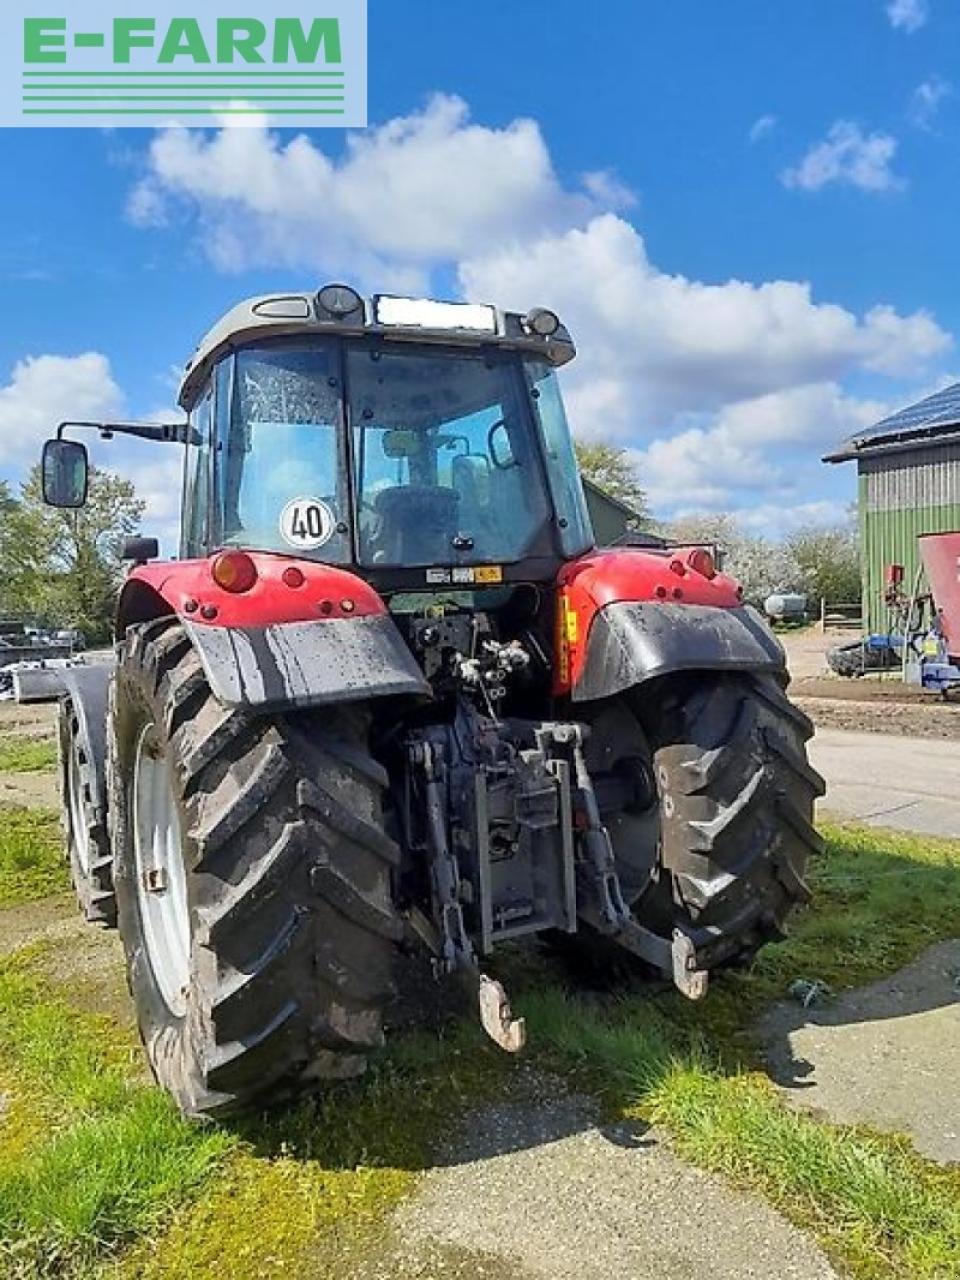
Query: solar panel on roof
{"type": "Point", "coordinates": [940, 409]}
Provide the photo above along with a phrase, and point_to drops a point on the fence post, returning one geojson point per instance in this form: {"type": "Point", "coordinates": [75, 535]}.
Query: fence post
{"type": "Point", "coordinates": [823, 615]}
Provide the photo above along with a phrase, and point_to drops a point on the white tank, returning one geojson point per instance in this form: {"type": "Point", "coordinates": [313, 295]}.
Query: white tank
{"type": "Point", "coordinates": [785, 606]}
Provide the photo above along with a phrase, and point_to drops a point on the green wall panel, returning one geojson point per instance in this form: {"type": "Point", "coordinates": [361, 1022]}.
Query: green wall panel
{"type": "Point", "coordinates": [890, 537]}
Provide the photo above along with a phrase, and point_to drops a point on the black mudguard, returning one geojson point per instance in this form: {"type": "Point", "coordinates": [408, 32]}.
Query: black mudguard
{"type": "Point", "coordinates": [632, 642]}
{"type": "Point", "coordinates": [307, 664]}
{"type": "Point", "coordinates": [87, 688]}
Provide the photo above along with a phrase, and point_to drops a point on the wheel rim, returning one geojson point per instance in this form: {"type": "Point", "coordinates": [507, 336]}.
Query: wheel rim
{"type": "Point", "coordinates": [161, 876]}
{"type": "Point", "coordinates": [79, 834]}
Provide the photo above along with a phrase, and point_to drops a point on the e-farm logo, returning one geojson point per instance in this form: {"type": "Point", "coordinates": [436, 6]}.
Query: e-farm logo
{"type": "Point", "coordinates": [92, 65]}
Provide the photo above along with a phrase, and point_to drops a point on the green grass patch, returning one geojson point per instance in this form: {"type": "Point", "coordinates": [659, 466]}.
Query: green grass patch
{"type": "Point", "coordinates": [98, 1174]}
{"type": "Point", "coordinates": [20, 754]}
{"type": "Point", "coordinates": [109, 1158]}
{"type": "Point", "coordinates": [32, 864]}
{"type": "Point", "coordinates": [878, 1209]}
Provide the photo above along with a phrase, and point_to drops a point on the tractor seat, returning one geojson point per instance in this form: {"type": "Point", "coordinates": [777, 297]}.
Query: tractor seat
{"type": "Point", "coordinates": [415, 524]}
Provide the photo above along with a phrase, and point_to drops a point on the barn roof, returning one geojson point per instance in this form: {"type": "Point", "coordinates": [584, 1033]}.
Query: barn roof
{"type": "Point", "coordinates": [932, 419]}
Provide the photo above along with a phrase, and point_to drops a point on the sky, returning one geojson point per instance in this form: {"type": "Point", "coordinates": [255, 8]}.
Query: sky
{"type": "Point", "coordinates": [745, 213]}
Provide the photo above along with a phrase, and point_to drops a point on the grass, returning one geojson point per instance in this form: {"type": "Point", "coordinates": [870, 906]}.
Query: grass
{"type": "Point", "coordinates": [108, 1159]}
{"type": "Point", "coordinates": [97, 1172]}
{"type": "Point", "coordinates": [880, 898]}
{"type": "Point", "coordinates": [31, 855]}
{"type": "Point", "coordinates": [20, 754]}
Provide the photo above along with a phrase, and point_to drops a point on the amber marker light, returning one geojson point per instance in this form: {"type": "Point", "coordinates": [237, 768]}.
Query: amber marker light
{"type": "Point", "coordinates": [234, 571]}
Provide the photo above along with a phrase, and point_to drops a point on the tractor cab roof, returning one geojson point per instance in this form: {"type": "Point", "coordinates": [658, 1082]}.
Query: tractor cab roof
{"type": "Point", "coordinates": [338, 309]}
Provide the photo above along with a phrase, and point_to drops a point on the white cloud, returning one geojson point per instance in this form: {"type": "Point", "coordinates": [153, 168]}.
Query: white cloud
{"type": "Point", "coordinates": [157, 472]}
{"type": "Point", "coordinates": [654, 344]}
{"type": "Point", "coordinates": [417, 191]}
{"type": "Point", "coordinates": [847, 157]}
{"type": "Point", "coordinates": [777, 519]}
{"type": "Point", "coordinates": [761, 127]}
{"type": "Point", "coordinates": [908, 15]}
{"type": "Point", "coordinates": [43, 391]}
{"type": "Point", "coordinates": [753, 446]}
{"type": "Point", "coordinates": [926, 101]}
{"type": "Point", "coordinates": [608, 191]}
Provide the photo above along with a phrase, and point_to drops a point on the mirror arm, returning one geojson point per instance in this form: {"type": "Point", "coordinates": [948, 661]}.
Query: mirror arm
{"type": "Point", "coordinates": [163, 432]}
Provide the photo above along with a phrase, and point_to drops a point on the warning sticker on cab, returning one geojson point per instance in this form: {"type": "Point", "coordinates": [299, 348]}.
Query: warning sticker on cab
{"type": "Point", "coordinates": [488, 573]}
{"type": "Point", "coordinates": [465, 575]}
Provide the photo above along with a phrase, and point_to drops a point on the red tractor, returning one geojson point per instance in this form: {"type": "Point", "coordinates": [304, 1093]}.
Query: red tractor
{"type": "Point", "coordinates": [391, 697]}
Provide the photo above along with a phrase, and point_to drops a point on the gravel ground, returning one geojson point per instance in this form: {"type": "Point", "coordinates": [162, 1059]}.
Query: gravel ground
{"type": "Point", "coordinates": [535, 1187]}
{"type": "Point", "coordinates": [873, 704]}
{"type": "Point", "coordinates": [884, 1055]}
{"type": "Point", "coordinates": [35, 790]}
{"type": "Point", "coordinates": [32, 719]}
{"type": "Point", "coordinates": [932, 720]}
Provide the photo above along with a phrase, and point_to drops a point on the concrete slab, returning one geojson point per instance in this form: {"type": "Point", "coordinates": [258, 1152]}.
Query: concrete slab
{"type": "Point", "coordinates": [911, 784]}
{"type": "Point", "coordinates": [885, 1055]}
{"type": "Point", "coordinates": [540, 1189]}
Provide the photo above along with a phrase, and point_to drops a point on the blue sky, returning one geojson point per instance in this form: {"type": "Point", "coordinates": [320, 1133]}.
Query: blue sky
{"type": "Point", "coordinates": [746, 212]}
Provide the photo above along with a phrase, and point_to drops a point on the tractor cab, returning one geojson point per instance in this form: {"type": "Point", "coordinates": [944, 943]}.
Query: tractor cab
{"type": "Point", "coordinates": [417, 454]}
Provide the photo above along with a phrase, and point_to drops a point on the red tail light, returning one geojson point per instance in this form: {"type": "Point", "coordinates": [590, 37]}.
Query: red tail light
{"type": "Point", "coordinates": [233, 571]}
{"type": "Point", "coordinates": [701, 561]}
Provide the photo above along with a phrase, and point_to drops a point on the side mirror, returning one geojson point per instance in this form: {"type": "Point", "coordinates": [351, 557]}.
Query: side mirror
{"type": "Point", "coordinates": [65, 473]}
{"type": "Point", "coordinates": [139, 550]}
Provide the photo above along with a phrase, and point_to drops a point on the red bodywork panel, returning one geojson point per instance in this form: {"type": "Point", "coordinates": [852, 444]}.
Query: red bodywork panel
{"type": "Point", "coordinates": [187, 586]}
{"type": "Point", "coordinates": [607, 577]}
{"type": "Point", "coordinates": [941, 559]}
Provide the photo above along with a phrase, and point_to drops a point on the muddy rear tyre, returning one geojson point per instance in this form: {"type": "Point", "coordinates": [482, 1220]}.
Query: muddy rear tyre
{"type": "Point", "coordinates": [290, 923]}
{"type": "Point", "coordinates": [736, 798]}
{"type": "Point", "coordinates": [84, 825]}
{"type": "Point", "coordinates": [722, 850]}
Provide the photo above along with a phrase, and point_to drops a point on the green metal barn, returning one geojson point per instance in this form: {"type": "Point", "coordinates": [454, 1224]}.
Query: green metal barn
{"type": "Point", "coordinates": [908, 469]}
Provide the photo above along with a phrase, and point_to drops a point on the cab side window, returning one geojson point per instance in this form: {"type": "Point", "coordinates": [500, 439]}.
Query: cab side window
{"type": "Point", "coordinates": [196, 485]}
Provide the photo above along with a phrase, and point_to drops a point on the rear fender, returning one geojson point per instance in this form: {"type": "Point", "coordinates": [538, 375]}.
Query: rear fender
{"type": "Point", "coordinates": [87, 689]}
{"type": "Point", "coordinates": [319, 636]}
{"type": "Point", "coordinates": [626, 617]}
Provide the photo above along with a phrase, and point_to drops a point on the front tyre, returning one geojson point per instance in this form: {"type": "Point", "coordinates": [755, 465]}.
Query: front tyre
{"type": "Point", "coordinates": [253, 882]}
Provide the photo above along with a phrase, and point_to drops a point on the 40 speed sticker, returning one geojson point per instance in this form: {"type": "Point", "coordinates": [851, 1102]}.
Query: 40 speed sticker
{"type": "Point", "coordinates": [307, 523]}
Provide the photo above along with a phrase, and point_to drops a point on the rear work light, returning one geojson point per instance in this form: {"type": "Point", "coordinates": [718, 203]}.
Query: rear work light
{"type": "Point", "coordinates": [233, 571]}
{"type": "Point", "coordinates": [702, 562]}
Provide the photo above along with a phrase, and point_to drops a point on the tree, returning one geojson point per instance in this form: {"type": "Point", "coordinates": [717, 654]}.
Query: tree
{"type": "Point", "coordinates": [828, 560]}
{"type": "Point", "coordinates": [63, 568]}
{"type": "Point", "coordinates": [610, 468]}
